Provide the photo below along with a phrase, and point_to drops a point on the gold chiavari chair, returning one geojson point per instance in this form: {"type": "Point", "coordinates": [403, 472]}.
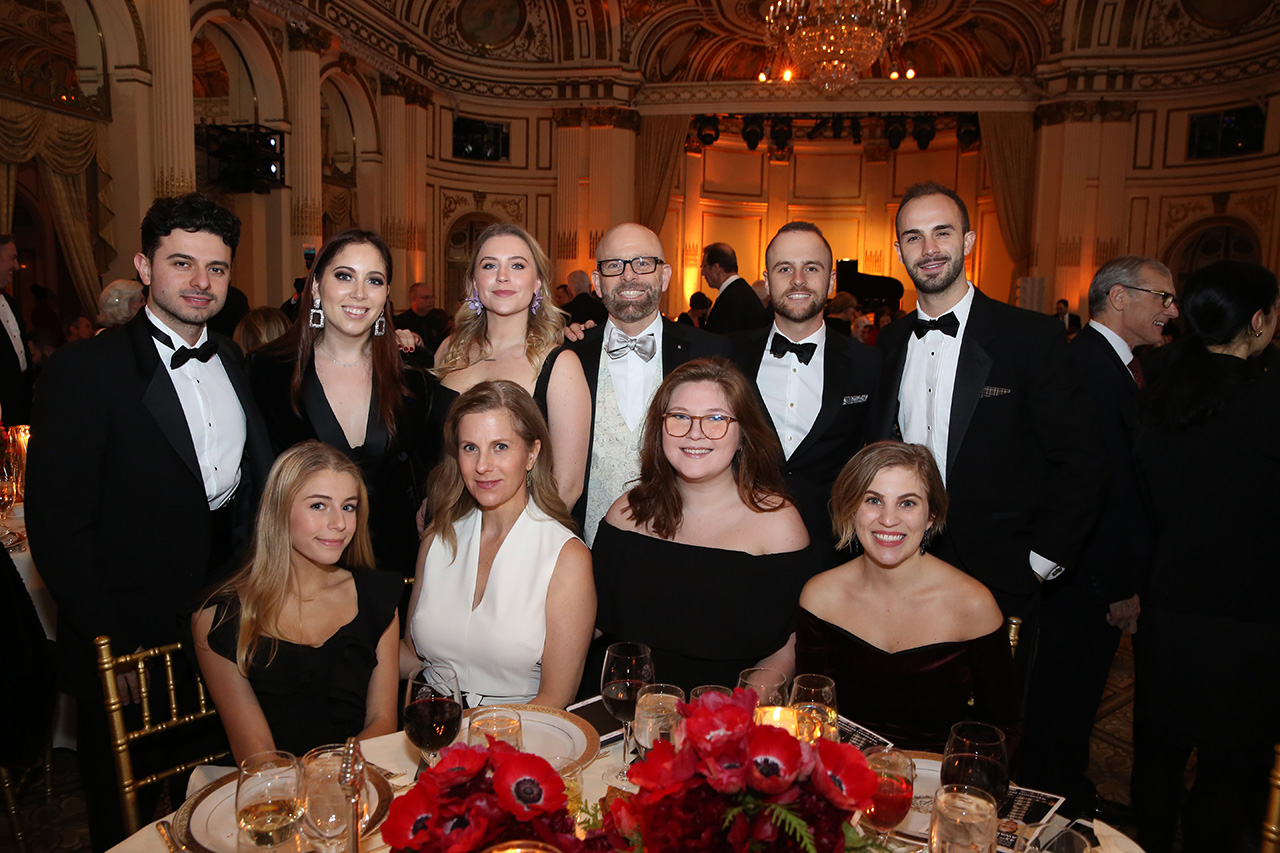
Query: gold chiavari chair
{"type": "Point", "coordinates": [1013, 626]}
{"type": "Point", "coordinates": [1271, 824]}
{"type": "Point", "coordinates": [143, 664]}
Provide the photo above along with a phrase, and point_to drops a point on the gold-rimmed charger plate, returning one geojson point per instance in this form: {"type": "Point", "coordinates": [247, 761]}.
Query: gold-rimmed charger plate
{"type": "Point", "coordinates": [206, 822]}
{"type": "Point", "coordinates": [548, 732]}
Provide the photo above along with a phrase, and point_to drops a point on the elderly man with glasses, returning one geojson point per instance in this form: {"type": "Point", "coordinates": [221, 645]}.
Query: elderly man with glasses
{"type": "Point", "coordinates": [626, 359]}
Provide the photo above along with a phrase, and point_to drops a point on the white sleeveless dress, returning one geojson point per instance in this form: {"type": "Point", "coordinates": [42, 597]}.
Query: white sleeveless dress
{"type": "Point", "coordinates": [496, 649]}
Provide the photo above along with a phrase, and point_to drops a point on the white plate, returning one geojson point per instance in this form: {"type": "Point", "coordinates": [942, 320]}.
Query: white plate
{"type": "Point", "coordinates": [928, 780]}
{"type": "Point", "coordinates": [549, 731]}
{"type": "Point", "coordinates": [206, 822]}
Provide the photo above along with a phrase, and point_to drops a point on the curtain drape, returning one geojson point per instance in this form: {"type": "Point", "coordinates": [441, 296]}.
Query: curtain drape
{"type": "Point", "coordinates": [64, 147]}
{"type": "Point", "coordinates": [659, 151]}
{"type": "Point", "coordinates": [1008, 143]}
{"type": "Point", "coordinates": [339, 202]}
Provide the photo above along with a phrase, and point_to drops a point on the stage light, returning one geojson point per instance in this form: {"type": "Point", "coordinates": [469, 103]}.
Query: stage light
{"type": "Point", "coordinates": [780, 132]}
{"type": "Point", "coordinates": [895, 130]}
{"type": "Point", "coordinates": [923, 129]}
{"type": "Point", "coordinates": [752, 131]}
{"type": "Point", "coordinates": [707, 129]}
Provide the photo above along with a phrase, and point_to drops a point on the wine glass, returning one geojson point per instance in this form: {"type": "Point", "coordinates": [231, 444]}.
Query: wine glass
{"type": "Point", "coordinates": [963, 821]}
{"type": "Point", "coordinates": [895, 775]}
{"type": "Point", "coordinates": [268, 799]}
{"type": "Point", "coordinates": [814, 696]}
{"type": "Point", "coordinates": [499, 723]}
{"type": "Point", "coordinates": [703, 689]}
{"type": "Point", "coordinates": [766, 683]}
{"type": "Point", "coordinates": [976, 755]}
{"type": "Point", "coordinates": [433, 710]}
{"type": "Point", "coordinates": [324, 802]}
{"type": "Point", "coordinates": [627, 668]}
{"type": "Point", "coordinates": [656, 714]}
{"type": "Point", "coordinates": [1044, 838]}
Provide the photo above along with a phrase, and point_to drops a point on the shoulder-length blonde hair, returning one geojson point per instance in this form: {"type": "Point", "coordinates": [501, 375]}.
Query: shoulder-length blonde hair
{"type": "Point", "coordinates": [263, 582]}
{"type": "Point", "coordinates": [855, 480]}
{"type": "Point", "coordinates": [446, 490]}
{"type": "Point", "coordinates": [470, 340]}
{"type": "Point", "coordinates": [757, 465]}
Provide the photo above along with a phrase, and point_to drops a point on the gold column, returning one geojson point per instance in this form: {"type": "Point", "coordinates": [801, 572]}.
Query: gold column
{"type": "Point", "coordinates": [395, 212]}
{"type": "Point", "coordinates": [173, 135]}
{"type": "Point", "coordinates": [303, 157]}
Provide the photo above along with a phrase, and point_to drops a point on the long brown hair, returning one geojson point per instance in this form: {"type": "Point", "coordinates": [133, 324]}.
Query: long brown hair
{"type": "Point", "coordinates": [470, 340]}
{"type": "Point", "coordinates": [447, 492]}
{"type": "Point", "coordinates": [262, 584]}
{"type": "Point", "coordinates": [300, 340]}
{"type": "Point", "coordinates": [757, 466]}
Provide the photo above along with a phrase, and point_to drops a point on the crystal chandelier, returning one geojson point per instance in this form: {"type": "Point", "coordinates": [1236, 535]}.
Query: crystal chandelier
{"type": "Point", "coordinates": [832, 41]}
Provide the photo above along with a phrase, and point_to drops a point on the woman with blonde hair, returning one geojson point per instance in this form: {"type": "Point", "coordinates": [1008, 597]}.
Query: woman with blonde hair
{"type": "Point", "coordinates": [504, 592]}
{"type": "Point", "coordinates": [299, 648]}
{"type": "Point", "coordinates": [509, 327]}
{"type": "Point", "coordinates": [259, 327]}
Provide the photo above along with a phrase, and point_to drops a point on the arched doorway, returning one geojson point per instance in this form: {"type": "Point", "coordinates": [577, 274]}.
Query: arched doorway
{"type": "Point", "coordinates": [458, 248]}
{"type": "Point", "coordinates": [1217, 239]}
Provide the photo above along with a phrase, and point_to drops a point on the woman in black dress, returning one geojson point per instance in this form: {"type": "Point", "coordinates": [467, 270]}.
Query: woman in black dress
{"type": "Point", "coordinates": [337, 376]}
{"type": "Point", "coordinates": [300, 647]}
{"type": "Point", "coordinates": [1207, 650]}
{"type": "Point", "coordinates": [909, 639]}
{"type": "Point", "coordinates": [703, 560]}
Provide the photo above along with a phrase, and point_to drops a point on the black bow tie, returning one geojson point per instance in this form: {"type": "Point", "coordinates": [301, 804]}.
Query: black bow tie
{"type": "Point", "coordinates": [780, 346]}
{"type": "Point", "coordinates": [948, 324]}
{"type": "Point", "coordinates": [181, 355]}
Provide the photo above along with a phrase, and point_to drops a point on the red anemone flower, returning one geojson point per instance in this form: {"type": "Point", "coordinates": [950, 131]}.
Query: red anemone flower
{"type": "Point", "coordinates": [842, 776]}
{"type": "Point", "coordinates": [526, 785]}
{"type": "Point", "coordinates": [727, 772]}
{"type": "Point", "coordinates": [411, 819]}
{"type": "Point", "coordinates": [664, 770]}
{"type": "Point", "coordinates": [458, 764]}
{"type": "Point", "coordinates": [716, 721]}
{"type": "Point", "coordinates": [774, 759]}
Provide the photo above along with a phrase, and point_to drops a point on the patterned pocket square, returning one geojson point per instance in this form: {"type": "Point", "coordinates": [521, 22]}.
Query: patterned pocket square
{"type": "Point", "coordinates": [849, 401]}
{"type": "Point", "coordinates": [993, 391]}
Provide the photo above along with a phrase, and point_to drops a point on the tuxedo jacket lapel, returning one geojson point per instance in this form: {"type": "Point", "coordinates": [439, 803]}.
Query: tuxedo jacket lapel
{"type": "Point", "coordinates": [895, 361]}
{"type": "Point", "coordinates": [835, 368]}
{"type": "Point", "coordinates": [971, 376]}
{"type": "Point", "coordinates": [160, 398]}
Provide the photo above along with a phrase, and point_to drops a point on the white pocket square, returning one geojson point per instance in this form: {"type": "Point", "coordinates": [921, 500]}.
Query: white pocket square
{"type": "Point", "coordinates": [849, 401]}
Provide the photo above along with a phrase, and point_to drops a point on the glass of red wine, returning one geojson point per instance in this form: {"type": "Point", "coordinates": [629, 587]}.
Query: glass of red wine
{"type": "Point", "coordinates": [976, 755]}
{"type": "Point", "coordinates": [432, 710]}
{"type": "Point", "coordinates": [895, 784]}
{"type": "Point", "coordinates": [627, 668]}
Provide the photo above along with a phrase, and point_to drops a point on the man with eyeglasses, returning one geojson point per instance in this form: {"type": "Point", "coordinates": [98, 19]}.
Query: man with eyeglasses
{"type": "Point", "coordinates": [1130, 300]}
{"type": "Point", "coordinates": [737, 307]}
{"type": "Point", "coordinates": [625, 361]}
{"type": "Point", "coordinates": [815, 387]}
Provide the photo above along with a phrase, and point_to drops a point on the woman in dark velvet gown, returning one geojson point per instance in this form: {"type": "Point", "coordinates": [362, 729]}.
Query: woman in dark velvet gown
{"type": "Point", "coordinates": [908, 638]}
{"type": "Point", "coordinates": [1207, 650]}
{"type": "Point", "coordinates": [704, 560]}
{"type": "Point", "coordinates": [300, 647]}
{"type": "Point", "coordinates": [336, 376]}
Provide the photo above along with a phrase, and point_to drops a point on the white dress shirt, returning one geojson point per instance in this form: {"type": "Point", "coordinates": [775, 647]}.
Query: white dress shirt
{"type": "Point", "coordinates": [1117, 343]}
{"type": "Point", "coordinates": [214, 415]}
{"type": "Point", "coordinates": [11, 328]}
{"type": "Point", "coordinates": [928, 384]}
{"type": "Point", "coordinates": [792, 391]}
{"type": "Point", "coordinates": [635, 379]}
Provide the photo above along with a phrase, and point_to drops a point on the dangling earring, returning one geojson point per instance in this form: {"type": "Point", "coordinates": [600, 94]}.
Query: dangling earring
{"type": "Point", "coordinates": [855, 546]}
{"type": "Point", "coordinates": [316, 320]}
{"type": "Point", "coordinates": [380, 326]}
{"type": "Point", "coordinates": [528, 479]}
{"type": "Point", "coordinates": [537, 300]}
{"type": "Point", "coordinates": [925, 539]}
{"type": "Point", "coordinates": [473, 302]}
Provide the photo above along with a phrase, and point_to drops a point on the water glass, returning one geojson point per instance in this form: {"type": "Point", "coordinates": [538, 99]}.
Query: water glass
{"type": "Point", "coordinates": [268, 798]}
{"type": "Point", "coordinates": [324, 802]}
{"type": "Point", "coordinates": [766, 683]}
{"type": "Point", "coordinates": [703, 689]}
{"type": "Point", "coordinates": [656, 714]}
{"type": "Point", "coordinates": [964, 820]}
{"type": "Point", "coordinates": [499, 723]}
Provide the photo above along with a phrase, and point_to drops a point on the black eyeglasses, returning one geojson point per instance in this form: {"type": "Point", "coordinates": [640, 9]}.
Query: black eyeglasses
{"type": "Point", "coordinates": [1166, 298]}
{"type": "Point", "coordinates": [614, 266]}
{"type": "Point", "coordinates": [678, 424]}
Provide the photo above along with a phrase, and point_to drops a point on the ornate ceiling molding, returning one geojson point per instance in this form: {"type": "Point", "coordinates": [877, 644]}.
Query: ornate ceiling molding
{"type": "Point", "coordinates": [951, 94]}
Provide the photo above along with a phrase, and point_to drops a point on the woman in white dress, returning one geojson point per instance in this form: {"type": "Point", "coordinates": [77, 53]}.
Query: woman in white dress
{"type": "Point", "coordinates": [504, 591]}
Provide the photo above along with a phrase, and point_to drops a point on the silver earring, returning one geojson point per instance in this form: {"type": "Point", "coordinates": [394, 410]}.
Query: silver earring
{"type": "Point", "coordinates": [380, 327]}
{"type": "Point", "coordinates": [316, 320]}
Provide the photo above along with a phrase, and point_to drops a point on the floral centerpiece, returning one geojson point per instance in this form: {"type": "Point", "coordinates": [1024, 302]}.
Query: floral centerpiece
{"type": "Point", "coordinates": [732, 786]}
{"type": "Point", "coordinates": [735, 786]}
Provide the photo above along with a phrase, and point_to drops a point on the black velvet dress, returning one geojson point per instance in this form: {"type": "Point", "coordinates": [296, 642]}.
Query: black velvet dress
{"type": "Point", "coordinates": [913, 696]}
{"type": "Point", "coordinates": [315, 695]}
{"type": "Point", "coordinates": [707, 613]}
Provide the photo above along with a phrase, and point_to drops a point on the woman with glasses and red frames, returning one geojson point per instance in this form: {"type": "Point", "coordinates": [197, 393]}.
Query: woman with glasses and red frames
{"type": "Point", "coordinates": [704, 559]}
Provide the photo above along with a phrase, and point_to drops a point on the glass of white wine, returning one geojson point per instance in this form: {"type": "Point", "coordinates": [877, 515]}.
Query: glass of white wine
{"type": "Point", "coordinates": [814, 696]}
{"type": "Point", "coordinates": [268, 798]}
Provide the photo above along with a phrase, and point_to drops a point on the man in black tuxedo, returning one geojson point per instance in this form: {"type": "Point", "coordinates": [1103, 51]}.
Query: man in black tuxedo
{"type": "Point", "coordinates": [737, 307]}
{"type": "Point", "coordinates": [15, 363]}
{"type": "Point", "coordinates": [625, 360]}
{"type": "Point", "coordinates": [145, 460]}
{"type": "Point", "coordinates": [815, 387]}
{"type": "Point", "coordinates": [1130, 301]}
{"type": "Point", "coordinates": [987, 388]}
{"type": "Point", "coordinates": [1069, 321]}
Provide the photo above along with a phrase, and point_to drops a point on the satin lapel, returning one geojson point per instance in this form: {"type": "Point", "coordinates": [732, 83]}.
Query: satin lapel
{"type": "Point", "coordinates": [895, 361]}
{"type": "Point", "coordinates": [160, 398]}
{"type": "Point", "coordinates": [835, 368]}
{"type": "Point", "coordinates": [748, 360]}
{"type": "Point", "coordinates": [971, 375]}
{"type": "Point", "coordinates": [589, 355]}
{"type": "Point", "coordinates": [675, 346]}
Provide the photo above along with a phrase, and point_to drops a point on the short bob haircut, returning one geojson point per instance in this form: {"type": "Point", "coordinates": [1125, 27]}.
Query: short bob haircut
{"type": "Point", "coordinates": [757, 466]}
{"type": "Point", "coordinates": [262, 584]}
{"type": "Point", "coordinates": [447, 494]}
{"type": "Point", "coordinates": [855, 480]}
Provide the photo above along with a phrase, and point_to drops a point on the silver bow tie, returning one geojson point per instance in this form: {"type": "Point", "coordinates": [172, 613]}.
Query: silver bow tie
{"type": "Point", "coordinates": [618, 344]}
